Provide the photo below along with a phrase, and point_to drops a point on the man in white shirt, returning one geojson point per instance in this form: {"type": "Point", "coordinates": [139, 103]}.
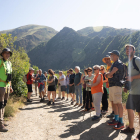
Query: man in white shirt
{"type": "Point", "coordinates": [62, 81]}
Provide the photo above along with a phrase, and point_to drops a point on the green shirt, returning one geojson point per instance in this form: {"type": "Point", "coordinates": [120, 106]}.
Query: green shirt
{"type": "Point", "coordinates": [3, 76]}
{"type": "Point", "coordinates": [135, 84]}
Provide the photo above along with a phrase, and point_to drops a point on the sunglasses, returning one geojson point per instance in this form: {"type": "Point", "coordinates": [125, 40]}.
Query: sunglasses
{"type": "Point", "coordinates": [95, 69]}
{"type": "Point", "coordinates": [89, 70]}
{"type": "Point", "coordinates": [101, 69]}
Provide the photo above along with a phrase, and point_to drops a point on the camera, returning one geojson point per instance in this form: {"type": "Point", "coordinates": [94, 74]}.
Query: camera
{"type": "Point", "coordinates": [86, 81]}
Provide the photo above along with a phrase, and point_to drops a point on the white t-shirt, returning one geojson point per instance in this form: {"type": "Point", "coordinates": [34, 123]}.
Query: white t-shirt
{"type": "Point", "coordinates": [62, 83]}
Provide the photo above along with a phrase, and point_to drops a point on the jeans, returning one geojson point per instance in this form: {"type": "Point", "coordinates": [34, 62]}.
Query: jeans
{"type": "Point", "coordinates": [67, 89]}
{"type": "Point", "coordinates": [97, 97]}
{"type": "Point", "coordinates": [78, 92]}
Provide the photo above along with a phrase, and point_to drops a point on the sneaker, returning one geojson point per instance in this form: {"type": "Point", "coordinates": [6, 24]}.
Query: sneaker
{"type": "Point", "coordinates": [103, 111]}
{"type": "Point", "coordinates": [53, 103]}
{"type": "Point", "coordinates": [41, 100]}
{"type": "Point", "coordinates": [82, 107]}
{"type": "Point", "coordinates": [119, 126]}
{"type": "Point", "coordinates": [3, 129]}
{"type": "Point", "coordinates": [128, 130]}
{"type": "Point", "coordinates": [58, 98]}
{"type": "Point", "coordinates": [138, 137]}
{"type": "Point", "coordinates": [67, 99]}
{"type": "Point", "coordinates": [113, 122]}
{"type": "Point", "coordinates": [49, 103]}
{"type": "Point", "coordinates": [28, 100]}
{"type": "Point", "coordinates": [111, 115]}
{"type": "Point", "coordinates": [96, 117]}
{"type": "Point", "coordinates": [55, 99]}
{"type": "Point", "coordinates": [62, 98]}
{"type": "Point", "coordinates": [72, 103]}
{"type": "Point", "coordinates": [76, 104]}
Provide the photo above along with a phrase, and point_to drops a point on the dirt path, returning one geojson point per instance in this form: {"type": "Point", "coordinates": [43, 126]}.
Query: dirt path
{"type": "Point", "coordinates": [37, 121]}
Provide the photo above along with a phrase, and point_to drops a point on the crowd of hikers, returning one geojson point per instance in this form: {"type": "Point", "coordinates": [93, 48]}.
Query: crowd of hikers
{"type": "Point", "coordinates": [89, 90]}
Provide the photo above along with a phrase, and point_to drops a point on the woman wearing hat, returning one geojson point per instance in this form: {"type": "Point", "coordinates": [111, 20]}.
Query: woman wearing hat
{"type": "Point", "coordinates": [5, 83]}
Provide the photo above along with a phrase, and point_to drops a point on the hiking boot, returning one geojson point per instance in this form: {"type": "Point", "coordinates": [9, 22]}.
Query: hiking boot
{"type": "Point", "coordinates": [138, 137]}
{"type": "Point", "coordinates": [41, 100]}
{"type": "Point", "coordinates": [128, 130]}
{"type": "Point", "coordinates": [96, 117]}
{"type": "Point", "coordinates": [62, 98]}
{"type": "Point", "coordinates": [58, 98]}
{"type": "Point", "coordinates": [119, 126]}
{"type": "Point", "coordinates": [3, 129]}
{"type": "Point", "coordinates": [82, 107]}
{"type": "Point", "coordinates": [113, 122]}
{"type": "Point", "coordinates": [76, 104]}
{"type": "Point", "coordinates": [49, 103]}
{"type": "Point", "coordinates": [53, 103]}
{"type": "Point", "coordinates": [28, 100]}
{"type": "Point", "coordinates": [111, 115]}
{"type": "Point", "coordinates": [79, 105]}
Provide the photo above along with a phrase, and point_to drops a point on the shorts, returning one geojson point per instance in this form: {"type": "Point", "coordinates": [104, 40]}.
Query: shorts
{"type": "Point", "coordinates": [71, 89]}
{"type": "Point", "coordinates": [52, 88]}
{"type": "Point", "coordinates": [29, 86]}
{"type": "Point", "coordinates": [41, 88]}
{"type": "Point", "coordinates": [133, 102]}
{"type": "Point", "coordinates": [63, 88]}
{"type": "Point", "coordinates": [115, 94]}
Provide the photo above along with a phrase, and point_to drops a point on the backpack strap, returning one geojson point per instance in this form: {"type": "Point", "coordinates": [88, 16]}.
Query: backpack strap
{"type": "Point", "coordinates": [134, 64]}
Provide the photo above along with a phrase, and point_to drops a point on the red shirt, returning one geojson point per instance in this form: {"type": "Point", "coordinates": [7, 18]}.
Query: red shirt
{"type": "Point", "coordinates": [29, 78]}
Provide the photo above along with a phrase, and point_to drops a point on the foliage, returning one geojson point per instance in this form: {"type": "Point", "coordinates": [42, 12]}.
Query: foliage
{"type": "Point", "coordinates": [35, 68]}
{"type": "Point", "coordinates": [30, 36]}
{"type": "Point", "coordinates": [20, 64]}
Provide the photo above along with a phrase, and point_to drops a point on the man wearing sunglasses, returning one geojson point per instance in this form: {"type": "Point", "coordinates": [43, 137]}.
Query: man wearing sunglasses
{"type": "Point", "coordinates": [115, 89]}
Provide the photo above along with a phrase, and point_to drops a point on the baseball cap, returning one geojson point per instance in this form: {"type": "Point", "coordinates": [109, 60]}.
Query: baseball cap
{"type": "Point", "coordinates": [115, 52]}
{"type": "Point", "coordinates": [31, 68]}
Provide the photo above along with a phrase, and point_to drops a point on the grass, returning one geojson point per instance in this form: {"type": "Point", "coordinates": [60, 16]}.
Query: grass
{"type": "Point", "coordinates": [13, 105]}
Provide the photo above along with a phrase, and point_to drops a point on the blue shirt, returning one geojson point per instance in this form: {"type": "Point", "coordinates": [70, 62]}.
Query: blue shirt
{"type": "Point", "coordinates": [41, 78]}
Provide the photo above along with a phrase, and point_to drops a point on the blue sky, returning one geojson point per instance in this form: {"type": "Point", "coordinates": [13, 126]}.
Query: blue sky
{"type": "Point", "coordinates": [76, 14]}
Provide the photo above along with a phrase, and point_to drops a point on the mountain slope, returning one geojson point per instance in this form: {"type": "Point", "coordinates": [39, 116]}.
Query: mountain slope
{"type": "Point", "coordinates": [30, 36]}
{"type": "Point", "coordinates": [68, 49]}
{"type": "Point", "coordinates": [104, 31]}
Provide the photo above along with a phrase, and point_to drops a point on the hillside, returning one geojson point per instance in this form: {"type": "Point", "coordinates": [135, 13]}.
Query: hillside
{"type": "Point", "coordinates": [69, 48]}
{"type": "Point", "coordinates": [30, 36]}
{"type": "Point", "coordinates": [104, 31]}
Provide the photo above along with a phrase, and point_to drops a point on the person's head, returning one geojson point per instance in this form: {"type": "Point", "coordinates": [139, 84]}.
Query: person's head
{"type": "Point", "coordinates": [107, 60]}
{"type": "Point", "coordinates": [68, 73]}
{"type": "Point", "coordinates": [37, 72]}
{"type": "Point", "coordinates": [85, 71]}
{"type": "Point", "coordinates": [40, 71]}
{"type": "Point", "coordinates": [77, 69]}
{"type": "Point", "coordinates": [51, 72]}
{"type": "Point", "coordinates": [54, 72]}
{"type": "Point", "coordinates": [96, 69]}
{"type": "Point", "coordinates": [89, 71]}
{"type": "Point", "coordinates": [6, 53]}
{"type": "Point", "coordinates": [60, 73]}
{"type": "Point", "coordinates": [114, 55]}
{"type": "Point", "coordinates": [71, 70]}
{"type": "Point", "coordinates": [45, 73]}
{"type": "Point", "coordinates": [130, 50]}
{"type": "Point", "coordinates": [31, 70]}
{"type": "Point", "coordinates": [102, 69]}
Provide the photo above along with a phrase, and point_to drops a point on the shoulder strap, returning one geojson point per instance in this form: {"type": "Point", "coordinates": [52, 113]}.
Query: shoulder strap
{"type": "Point", "coordinates": [134, 63]}
{"type": "Point", "coordinates": [1, 63]}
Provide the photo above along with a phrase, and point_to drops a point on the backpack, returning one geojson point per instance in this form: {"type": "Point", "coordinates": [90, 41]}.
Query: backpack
{"type": "Point", "coordinates": [134, 64]}
{"type": "Point", "coordinates": [24, 78]}
{"type": "Point", "coordinates": [56, 80]}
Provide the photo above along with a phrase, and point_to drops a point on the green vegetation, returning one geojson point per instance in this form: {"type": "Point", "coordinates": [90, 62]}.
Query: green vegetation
{"type": "Point", "coordinates": [30, 36]}
{"type": "Point", "coordinates": [20, 64]}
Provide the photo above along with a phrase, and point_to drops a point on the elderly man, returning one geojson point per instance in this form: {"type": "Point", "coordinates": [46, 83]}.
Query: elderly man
{"type": "Point", "coordinates": [62, 81]}
{"type": "Point", "coordinates": [29, 83]}
{"type": "Point", "coordinates": [41, 84]}
{"type": "Point", "coordinates": [5, 83]}
{"type": "Point", "coordinates": [78, 86]}
{"type": "Point", "coordinates": [115, 89]}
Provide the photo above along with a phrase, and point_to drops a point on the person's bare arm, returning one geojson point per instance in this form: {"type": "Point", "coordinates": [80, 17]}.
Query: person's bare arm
{"type": "Point", "coordinates": [110, 74]}
{"type": "Point", "coordinates": [131, 78]}
{"type": "Point", "coordinates": [97, 82]}
{"type": "Point", "coordinates": [80, 80]}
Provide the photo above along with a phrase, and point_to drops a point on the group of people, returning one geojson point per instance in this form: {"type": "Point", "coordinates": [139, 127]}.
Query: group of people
{"type": "Point", "coordinates": [87, 90]}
